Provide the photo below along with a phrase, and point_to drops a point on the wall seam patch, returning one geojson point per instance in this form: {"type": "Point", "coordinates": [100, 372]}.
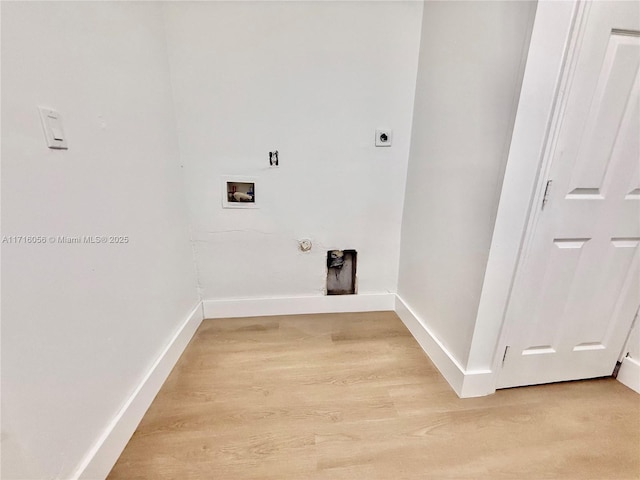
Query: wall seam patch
{"type": "Point", "coordinates": [194, 258]}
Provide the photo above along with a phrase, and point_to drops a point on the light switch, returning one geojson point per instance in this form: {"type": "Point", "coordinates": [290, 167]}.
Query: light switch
{"type": "Point", "coordinates": [57, 132]}
{"type": "Point", "coordinates": [53, 130]}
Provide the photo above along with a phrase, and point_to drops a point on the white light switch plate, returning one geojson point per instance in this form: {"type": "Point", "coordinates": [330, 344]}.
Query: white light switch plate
{"type": "Point", "coordinates": [53, 130]}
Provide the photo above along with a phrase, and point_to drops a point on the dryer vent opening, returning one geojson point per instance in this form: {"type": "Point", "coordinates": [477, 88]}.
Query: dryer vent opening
{"type": "Point", "coordinates": [341, 272]}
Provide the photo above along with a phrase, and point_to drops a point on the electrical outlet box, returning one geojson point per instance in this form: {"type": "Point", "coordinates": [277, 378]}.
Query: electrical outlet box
{"type": "Point", "coordinates": [384, 137]}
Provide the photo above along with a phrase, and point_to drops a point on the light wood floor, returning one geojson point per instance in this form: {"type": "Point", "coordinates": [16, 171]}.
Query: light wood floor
{"type": "Point", "coordinates": [352, 396]}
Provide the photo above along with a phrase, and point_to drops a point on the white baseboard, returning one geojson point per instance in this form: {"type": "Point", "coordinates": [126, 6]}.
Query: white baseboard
{"type": "Point", "coordinates": [450, 369]}
{"type": "Point", "coordinates": [478, 383]}
{"type": "Point", "coordinates": [100, 459]}
{"type": "Point", "coordinates": [103, 455]}
{"type": "Point", "coordinates": [465, 383]}
{"type": "Point", "coordinates": [629, 373]}
{"type": "Point", "coordinates": [253, 307]}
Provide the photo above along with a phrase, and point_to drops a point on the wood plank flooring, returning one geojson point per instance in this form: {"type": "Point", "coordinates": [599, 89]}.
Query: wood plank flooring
{"type": "Point", "coordinates": [352, 396]}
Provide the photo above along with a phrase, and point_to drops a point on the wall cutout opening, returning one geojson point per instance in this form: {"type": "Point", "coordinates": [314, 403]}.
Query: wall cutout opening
{"type": "Point", "coordinates": [238, 192]}
{"type": "Point", "coordinates": [341, 272]}
{"type": "Point", "coordinates": [241, 191]}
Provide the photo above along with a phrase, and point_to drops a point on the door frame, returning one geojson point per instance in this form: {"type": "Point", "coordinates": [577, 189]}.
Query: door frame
{"type": "Point", "coordinates": [555, 40]}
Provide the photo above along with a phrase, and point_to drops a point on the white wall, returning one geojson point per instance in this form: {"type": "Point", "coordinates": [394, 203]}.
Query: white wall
{"type": "Point", "coordinates": [312, 80]}
{"type": "Point", "coordinates": [470, 70]}
{"type": "Point", "coordinates": [82, 324]}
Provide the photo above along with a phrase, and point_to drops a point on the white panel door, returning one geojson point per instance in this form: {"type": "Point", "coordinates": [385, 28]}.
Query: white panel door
{"type": "Point", "coordinates": [577, 288]}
